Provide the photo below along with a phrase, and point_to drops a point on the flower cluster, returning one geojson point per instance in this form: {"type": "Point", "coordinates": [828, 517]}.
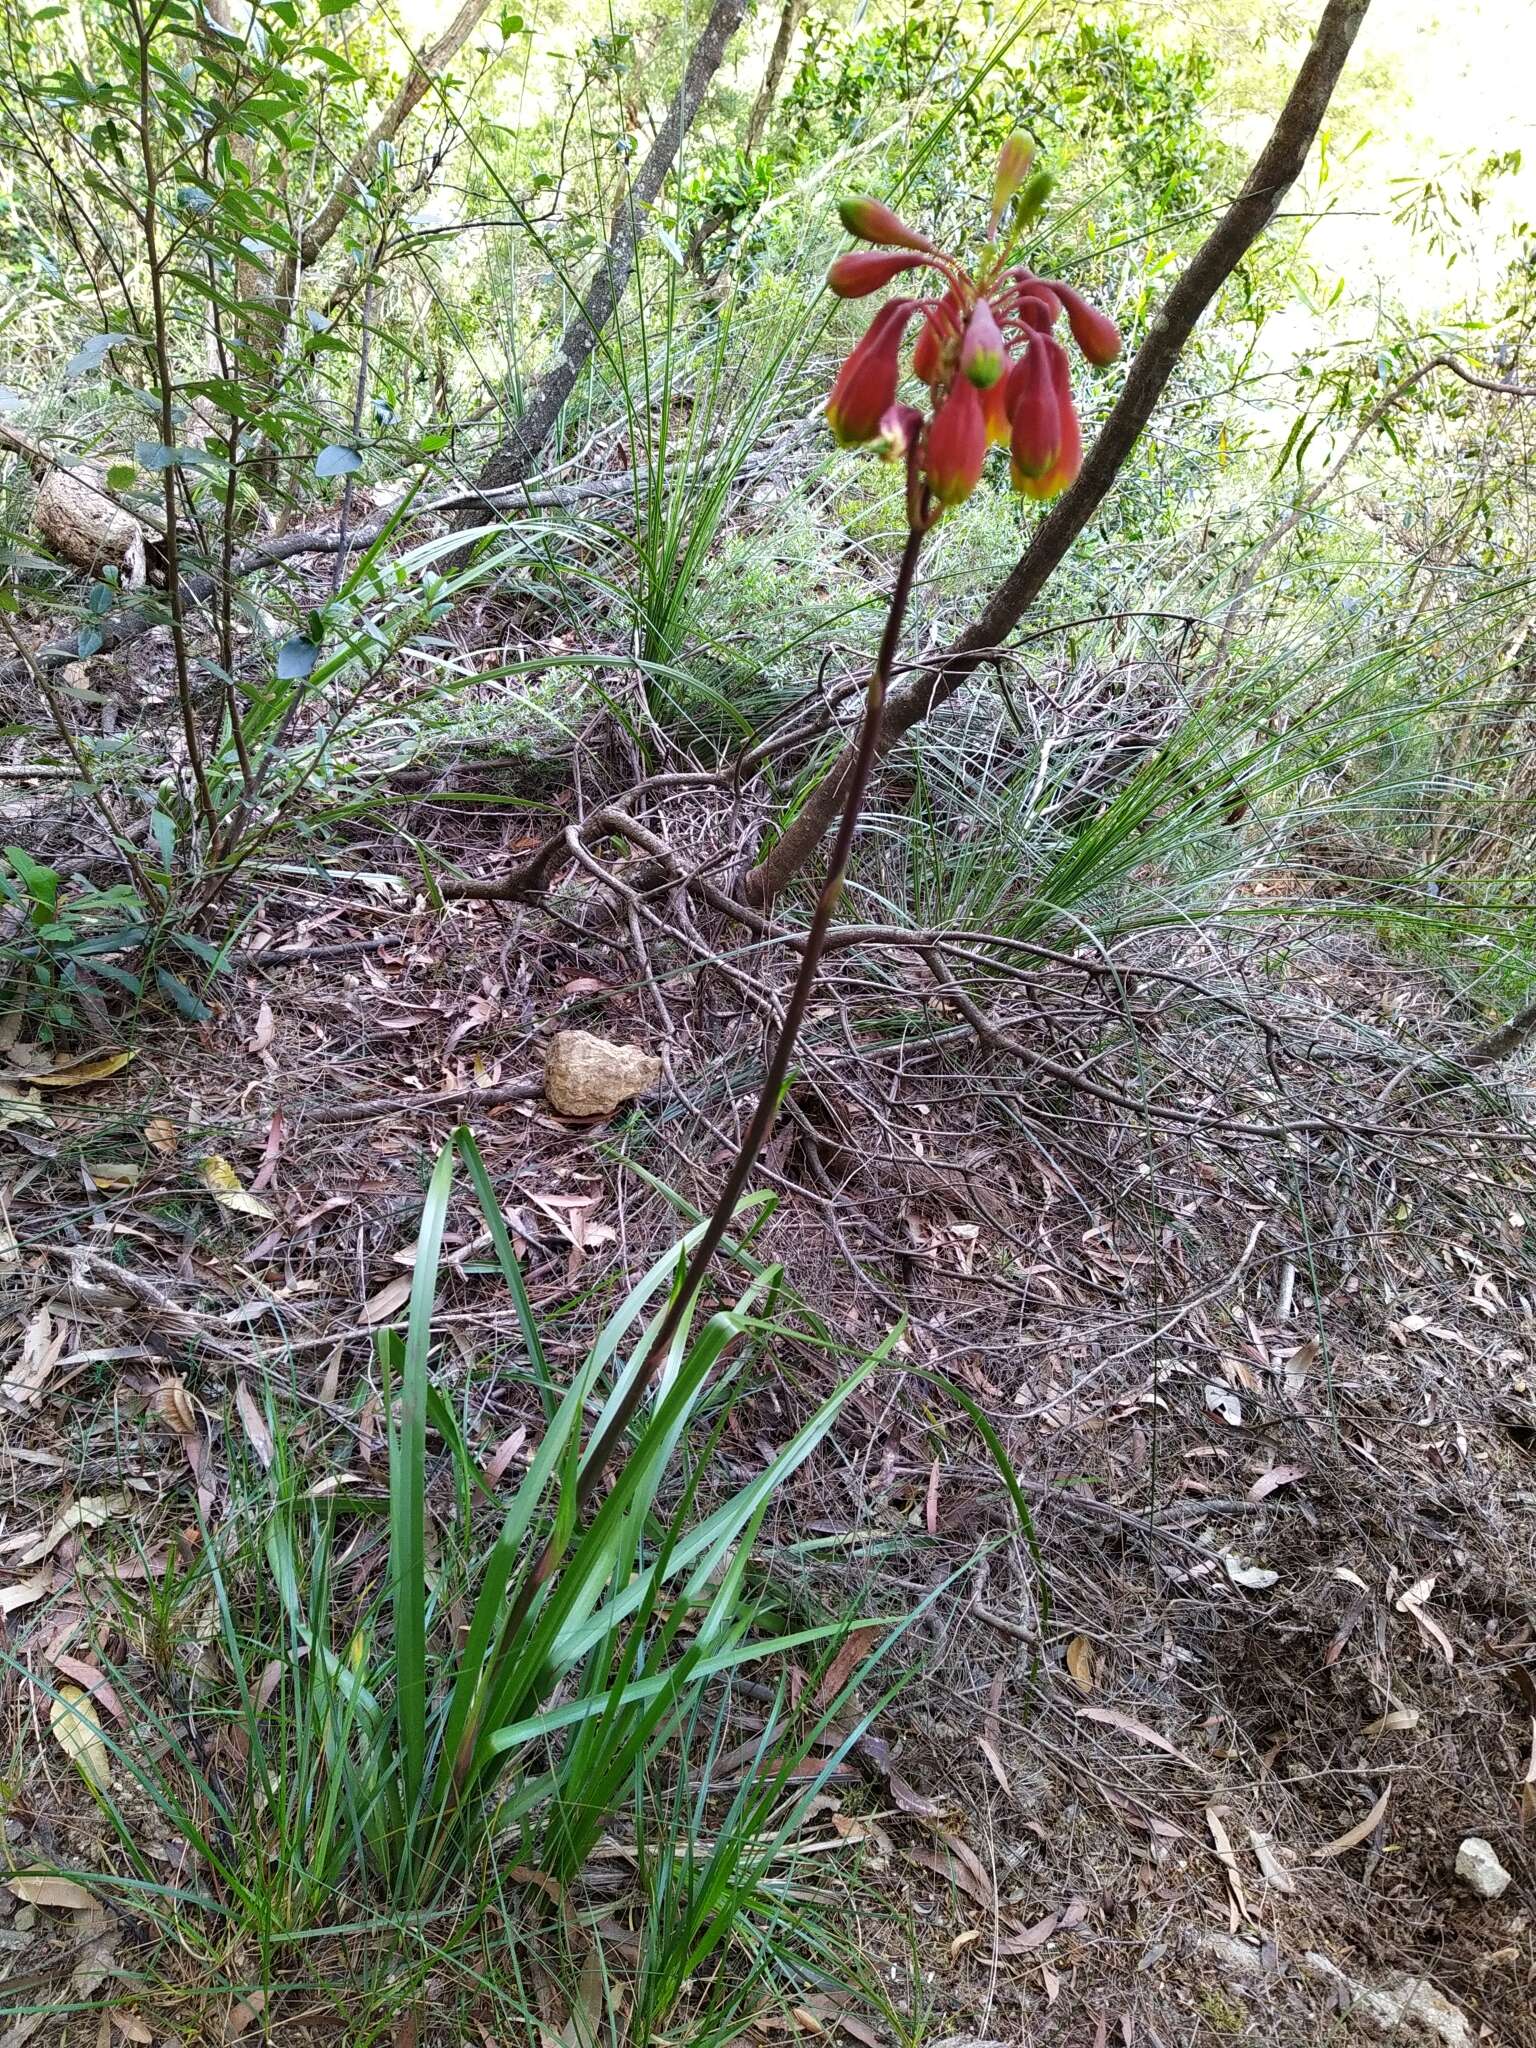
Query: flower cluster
{"type": "Point", "coordinates": [986, 348]}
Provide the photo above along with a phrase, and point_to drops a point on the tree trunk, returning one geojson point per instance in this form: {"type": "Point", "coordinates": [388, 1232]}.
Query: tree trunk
{"type": "Point", "coordinates": [773, 78]}
{"type": "Point", "coordinates": [1245, 220]}
{"type": "Point", "coordinates": [430, 64]}
{"type": "Point", "coordinates": [513, 460]}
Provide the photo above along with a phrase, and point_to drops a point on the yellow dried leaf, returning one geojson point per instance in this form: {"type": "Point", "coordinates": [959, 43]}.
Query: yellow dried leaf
{"type": "Point", "coordinates": [223, 1183]}
{"type": "Point", "coordinates": [160, 1135]}
{"type": "Point", "coordinates": [77, 1731]}
{"type": "Point", "coordinates": [113, 1173]}
{"type": "Point", "coordinates": [82, 1072]}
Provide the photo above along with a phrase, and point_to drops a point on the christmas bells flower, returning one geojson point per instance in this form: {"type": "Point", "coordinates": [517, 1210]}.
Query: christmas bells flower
{"type": "Point", "coordinates": [986, 347]}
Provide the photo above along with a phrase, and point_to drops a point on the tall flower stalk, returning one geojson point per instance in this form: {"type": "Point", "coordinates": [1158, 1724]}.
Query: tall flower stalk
{"type": "Point", "coordinates": [994, 372]}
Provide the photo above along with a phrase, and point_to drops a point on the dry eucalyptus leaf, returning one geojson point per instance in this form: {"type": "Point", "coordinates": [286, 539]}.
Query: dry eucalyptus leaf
{"type": "Point", "coordinates": [108, 1174]}
{"type": "Point", "coordinates": [1353, 1837]}
{"type": "Point", "coordinates": [1256, 1578]}
{"type": "Point", "coordinates": [1275, 1873]}
{"type": "Point", "coordinates": [1398, 1720]}
{"type": "Point", "coordinates": [1221, 1400]}
{"type": "Point", "coordinates": [89, 1512]}
{"type": "Point", "coordinates": [1413, 1602]}
{"type": "Point", "coordinates": [82, 1072]}
{"type": "Point", "coordinates": [41, 1348]}
{"type": "Point", "coordinates": [223, 1183]}
{"type": "Point", "coordinates": [160, 1136]}
{"type": "Point", "coordinates": [388, 1300]}
{"type": "Point", "coordinates": [77, 1731]}
{"type": "Point", "coordinates": [23, 1592]}
{"type": "Point", "coordinates": [255, 1425]}
{"type": "Point", "coordinates": [35, 1888]}
{"type": "Point", "coordinates": [1299, 1364]}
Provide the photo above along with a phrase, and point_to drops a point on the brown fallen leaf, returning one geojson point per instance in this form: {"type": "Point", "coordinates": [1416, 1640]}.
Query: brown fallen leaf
{"type": "Point", "coordinates": [1222, 1842]}
{"type": "Point", "coordinates": [1353, 1837]}
{"type": "Point", "coordinates": [255, 1426]}
{"type": "Point", "coordinates": [851, 1652]}
{"type": "Point", "coordinates": [223, 1183]}
{"type": "Point", "coordinates": [130, 2026]}
{"type": "Point", "coordinates": [1107, 1717]}
{"type": "Point", "coordinates": [1027, 1938]}
{"type": "Point", "coordinates": [1276, 1477]}
{"type": "Point", "coordinates": [243, 2013]}
{"type": "Point", "coordinates": [81, 1072]}
{"type": "Point", "coordinates": [1080, 1664]}
{"type": "Point", "coordinates": [388, 1300]}
{"type": "Point", "coordinates": [161, 1136]}
{"type": "Point", "coordinates": [956, 1862]}
{"type": "Point", "coordinates": [175, 1406]}
{"type": "Point", "coordinates": [95, 1682]}
{"type": "Point", "coordinates": [261, 1037]}
{"type": "Point", "coordinates": [35, 1888]}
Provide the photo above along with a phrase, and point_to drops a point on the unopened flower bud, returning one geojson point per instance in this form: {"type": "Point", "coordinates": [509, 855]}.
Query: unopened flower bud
{"type": "Point", "coordinates": [941, 324]}
{"type": "Point", "coordinates": [873, 221]}
{"type": "Point", "coordinates": [1035, 440]}
{"type": "Point", "coordinates": [1032, 199]}
{"type": "Point", "coordinates": [1012, 169]}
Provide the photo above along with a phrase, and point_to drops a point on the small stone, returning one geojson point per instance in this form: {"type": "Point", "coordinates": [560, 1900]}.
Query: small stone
{"type": "Point", "coordinates": [1400, 2009]}
{"type": "Point", "coordinates": [587, 1076]}
{"type": "Point", "coordinates": [1480, 1870]}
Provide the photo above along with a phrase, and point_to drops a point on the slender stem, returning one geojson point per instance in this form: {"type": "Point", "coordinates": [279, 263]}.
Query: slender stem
{"type": "Point", "coordinates": [601, 1454]}
{"type": "Point", "coordinates": [165, 376]}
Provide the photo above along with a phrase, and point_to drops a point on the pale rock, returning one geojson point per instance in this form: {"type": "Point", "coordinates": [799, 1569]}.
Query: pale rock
{"type": "Point", "coordinates": [588, 1076]}
{"type": "Point", "coordinates": [1404, 2010]}
{"type": "Point", "coordinates": [1480, 1870]}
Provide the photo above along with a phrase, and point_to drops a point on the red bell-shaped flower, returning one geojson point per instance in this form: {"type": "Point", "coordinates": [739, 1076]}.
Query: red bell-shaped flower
{"type": "Point", "coordinates": [1035, 440]}
{"type": "Point", "coordinates": [940, 325]}
{"type": "Point", "coordinates": [861, 271]}
{"type": "Point", "coordinates": [1094, 332]}
{"type": "Point", "coordinates": [1069, 454]}
{"type": "Point", "coordinates": [866, 384]}
{"type": "Point", "coordinates": [956, 448]}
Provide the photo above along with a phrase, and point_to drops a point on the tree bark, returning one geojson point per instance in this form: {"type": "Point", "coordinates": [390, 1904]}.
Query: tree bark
{"type": "Point", "coordinates": [516, 456]}
{"type": "Point", "coordinates": [1240, 227]}
{"type": "Point", "coordinates": [773, 77]}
